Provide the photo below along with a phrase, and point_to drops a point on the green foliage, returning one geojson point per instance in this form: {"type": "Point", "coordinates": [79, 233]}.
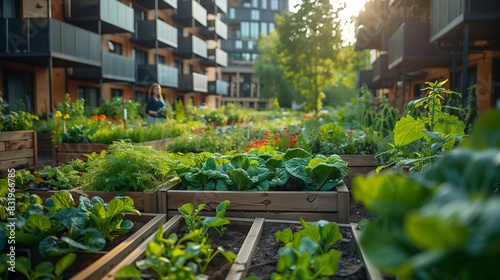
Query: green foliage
{"type": "Point", "coordinates": [20, 120]}
{"type": "Point", "coordinates": [209, 141]}
{"type": "Point", "coordinates": [128, 167]}
{"type": "Point", "coordinates": [472, 109]}
{"type": "Point", "coordinates": [214, 116]}
{"type": "Point", "coordinates": [62, 177]}
{"type": "Point", "coordinates": [185, 257]}
{"type": "Point", "coordinates": [439, 223]}
{"type": "Point", "coordinates": [180, 115]}
{"type": "Point", "coordinates": [43, 270]}
{"type": "Point", "coordinates": [74, 109]}
{"type": "Point", "coordinates": [260, 170]}
{"type": "Point", "coordinates": [114, 108]}
{"type": "Point", "coordinates": [273, 82]}
{"type": "Point", "coordinates": [308, 49]}
{"type": "Point", "coordinates": [308, 253]}
{"type": "Point", "coordinates": [434, 130]}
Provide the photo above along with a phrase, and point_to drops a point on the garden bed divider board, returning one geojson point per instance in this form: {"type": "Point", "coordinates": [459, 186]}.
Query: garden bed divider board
{"type": "Point", "coordinates": [145, 201]}
{"type": "Point", "coordinates": [18, 149]}
{"type": "Point", "coordinates": [372, 271]}
{"type": "Point", "coordinates": [358, 165]}
{"type": "Point", "coordinates": [104, 264]}
{"type": "Point", "coordinates": [285, 205]}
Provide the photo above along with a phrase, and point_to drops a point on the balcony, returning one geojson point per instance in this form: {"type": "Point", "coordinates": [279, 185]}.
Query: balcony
{"type": "Point", "coordinates": [365, 78]}
{"type": "Point", "coordinates": [381, 73]}
{"type": "Point", "coordinates": [216, 58]}
{"type": "Point", "coordinates": [193, 82]}
{"type": "Point", "coordinates": [189, 10]}
{"type": "Point", "coordinates": [34, 40]}
{"type": "Point", "coordinates": [166, 76]}
{"type": "Point", "coordinates": [409, 47]}
{"type": "Point", "coordinates": [190, 47]}
{"type": "Point", "coordinates": [219, 87]}
{"type": "Point", "coordinates": [115, 68]}
{"type": "Point", "coordinates": [110, 16]}
{"type": "Point", "coordinates": [216, 29]}
{"type": "Point", "coordinates": [151, 31]}
{"type": "Point", "coordinates": [215, 6]}
{"type": "Point", "coordinates": [449, 17]}
{"type": "Point", "coordinates": [162, 4]}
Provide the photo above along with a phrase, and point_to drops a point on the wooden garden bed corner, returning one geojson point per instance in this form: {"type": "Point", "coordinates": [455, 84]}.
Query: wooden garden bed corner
{"type": "Point", "coordinates": [18, 149]}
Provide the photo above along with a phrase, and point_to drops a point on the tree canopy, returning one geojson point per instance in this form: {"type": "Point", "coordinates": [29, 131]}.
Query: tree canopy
{"type": "Point", "coordinates": [308, 49]}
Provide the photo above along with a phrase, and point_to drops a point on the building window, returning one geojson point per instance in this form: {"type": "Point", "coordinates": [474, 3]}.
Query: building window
{"type": "Point", "coordinates": [140, 57]}
{"type": "Point", "coordinates": [247, 3]}
{"type": "Point", "coordinates": [161, 59]}
{"type": "Point", "coordinates": [271, 26]}
{"type": "Point", "coordinates": [232, 13]}
{"type": "Point", "coordinates": [255, 56]}
{"type": "Point", "coordinates": [255, 15]}
{"type": "Point", "coordinates": [251, 45]}
{"type": "Point", "coordinates": [245, 29]}
{"type": "Point", "coordinates": [263, 28]}
{"type": "Point", "coordinates": [115, 47]}
{"type": "Point", "coordinates": [264, 4]}
{"type": "Point", "coordinates": [10, 9]}
{"type": "Point", "coordinates": [245, 57]}
{"type": "Point", "coordinates": [274, 4]}
{"type": "Point", "coordinates": [255, 3]}
{"type": "Point", "coordinates": [238, 44]}
{"type": "Point", "coordinates": [116, 92]}
{"type": "Point", "coordinates": [254, 30]}
{"type": "Point", "coordinates": [140, 96]}
{"type": "Point", "coordinates": [91, 97]}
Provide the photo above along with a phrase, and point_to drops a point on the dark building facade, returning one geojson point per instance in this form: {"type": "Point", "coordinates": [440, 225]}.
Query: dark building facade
{"type": "Point", "coordinates": [414, 41]}
{"type": "Point", "coordinates": [99, 49]}
{"type": "Point", "coordinates": [247, 20]}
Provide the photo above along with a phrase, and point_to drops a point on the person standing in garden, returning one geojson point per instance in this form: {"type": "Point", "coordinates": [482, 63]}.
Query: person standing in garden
{"type": "Point", "coordinates": [156, 107]}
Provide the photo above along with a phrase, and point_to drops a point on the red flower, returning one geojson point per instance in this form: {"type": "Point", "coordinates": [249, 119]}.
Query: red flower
{"type": "Point", "coordinates": [102, 117]}
{"type": "Point", "coordinates": [95, 117]}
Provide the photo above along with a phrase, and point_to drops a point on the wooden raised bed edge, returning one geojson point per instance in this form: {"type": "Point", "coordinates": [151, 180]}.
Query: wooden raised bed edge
{"type": "Point", "coordinates": [108, 261]}
{"type": "Point", "coordinates": [18, 149]}
{"type": "Point", "coordinates": [358, 165]}
{"type": "Point", "coordinates": [373, 272]}
{"type": "Point", "coordinates": [285, 205]}
{"type": "Point", "coordinates": [244, 257]}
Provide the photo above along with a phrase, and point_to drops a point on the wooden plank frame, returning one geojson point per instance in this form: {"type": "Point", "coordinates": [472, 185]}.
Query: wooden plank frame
{"type": "Point", "coordinates": [288, 205]}
{"type": "Point", "coordinates": [238, 270]}
{"type": "Point", "coordinates": [18, 149]}
{"type": "Point", "coordinates": [358, 165]}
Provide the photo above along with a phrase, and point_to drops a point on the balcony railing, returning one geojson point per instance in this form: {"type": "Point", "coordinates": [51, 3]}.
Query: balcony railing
{"type": "Point", "coordinates": [166, 76]}
{"type": "Point", "coordinates": [380, 70]}
{"type": "Point", "coordinates": [409, 45]}
{"type": "Point", "coordinates": [32, 38]}
{"type": "Point", "coordinates": [215, 6]}
{"type": "Point", "coordinates": [219, 87]}
{"type": "Point", "coordinates": [193, 82]}
{"type": "Point", "coordinates": [218, 56]}
{"type": "Point", "coordinates": [191, 45]}
{"type": "Point", "coordinates": [149, 31]}
{"type": "Point", "coordinates": [114, 16]}
{"type": "Point", "coordinates": [447, 16]}
{"type": "Point", "coordinates": [162, 4]}
{"type": "Point", "coordinates": [216, 29]}
{"type": "Point", "coordinates": [189, 10]}
{"type": "Point", "coordinates": [114, 67]}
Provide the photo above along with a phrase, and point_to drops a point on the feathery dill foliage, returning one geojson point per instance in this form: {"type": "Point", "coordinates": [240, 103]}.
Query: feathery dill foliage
{"type": "Point", "coordinates": [128, 167]}
{"type": "Point", "coordinates": [215, 141]}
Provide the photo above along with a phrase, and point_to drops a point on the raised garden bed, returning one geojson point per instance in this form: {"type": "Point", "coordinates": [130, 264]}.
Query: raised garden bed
{"type": "Point", "coordinates": [94, 265]}
{"type": "Point", "coordinates": [18, 149]}
{"type": "Point", "coordinates": [358, 165]}
{"type": "Point", "coordinates": [260, 235]}
{"type": "Point", "coordinates": [287, 205]}
{"type": "Point", "coordinates": [68, 151]}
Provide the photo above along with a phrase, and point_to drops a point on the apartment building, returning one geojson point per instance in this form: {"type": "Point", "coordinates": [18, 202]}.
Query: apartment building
{"type": "Point", "coordinates": [99, 49]}
{"type": "Point", "coordinates": [247, 20]}
{"type": "Point", "coordinates": [414, 41]}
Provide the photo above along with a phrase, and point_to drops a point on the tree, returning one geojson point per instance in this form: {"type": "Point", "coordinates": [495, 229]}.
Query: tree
{"type": "Point", "coordinates": [273, 83]}
{"type": "Point", "coordinates": [308, 49]}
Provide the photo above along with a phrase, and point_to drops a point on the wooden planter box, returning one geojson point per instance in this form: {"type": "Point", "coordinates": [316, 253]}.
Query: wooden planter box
{"type": "Point", "coordinates": [286, 205]}
{"type": "Point", "coordinates": [45, 144]}
{"type": "Point", "coordinates": [146, 201]}
{"type": "Point", "coordinates": [18, 149]}
{"type": "Point", "coordinates": [68, 151]}
{"type": "Point", "coordinates": [94, 265]}
{"type": "Point", "coordinates": [359, 165]}
{"type": "Point", "coordinates": [238, 270]}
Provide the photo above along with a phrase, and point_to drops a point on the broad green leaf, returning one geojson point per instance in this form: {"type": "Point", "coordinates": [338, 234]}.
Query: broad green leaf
{"type": "Point", "coordinates": [485, 132]}
{"type": "Point", "coordinates": [209, 164]}
{"type": "Point", "coordinates": [297, 168]}
{"type": "Point", "coordinates": [63, 199]}
{"type": "Point", "coordinates": [186, 209]}
{"type": "Point", "coordinates": [308, 245]}
{"type": "Point", "coordinates": [285, 236]}
{"type": "Point", "coordinates": [241, 179]}
{"type": "Point", "coordinates": [44, 267]}
{"type": "Point", "coordinates": [23, 265]}
{"type": "Point", "coordinates": [296, 153]}
{"type": "Point", "coordinates": [40, 222]}
{"type": "Point", "coordinates": [323, 173]}
{"type": "Point", "coordinates": [328, 263]}
{"type": "Point", "coordinates": [408, 130]}
{"type": "Point", "coordinates": [128, 271]}
{"type": "Point", "coordinates": [240, 161]}
{"type": "Point", "coordinates": [388, 194]}
{"type": "Point", "coordinates": [63, 263]}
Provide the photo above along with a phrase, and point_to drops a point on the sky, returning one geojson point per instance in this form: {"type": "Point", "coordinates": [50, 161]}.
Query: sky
{"type": "Point", "coordinates": [352, 9]}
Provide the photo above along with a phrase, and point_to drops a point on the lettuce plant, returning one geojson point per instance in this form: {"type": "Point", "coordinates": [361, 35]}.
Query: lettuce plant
{"type": "Point", "coordinates": [308, 254]}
